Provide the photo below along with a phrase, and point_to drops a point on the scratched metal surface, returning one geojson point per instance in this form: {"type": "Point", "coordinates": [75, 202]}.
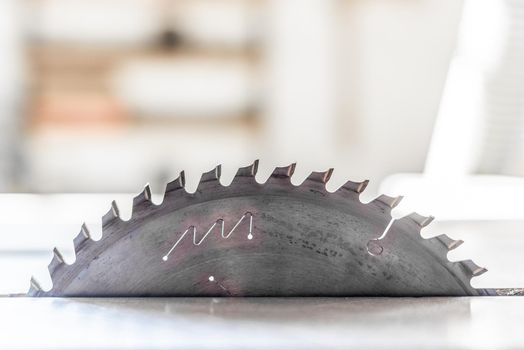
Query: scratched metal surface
{"type": "Point", "coordinates": [304, 241]}
{"type": "Point", "coordinates": [262, 323]}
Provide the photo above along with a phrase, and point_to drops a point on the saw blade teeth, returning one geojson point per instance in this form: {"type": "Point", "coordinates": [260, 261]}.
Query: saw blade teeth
{"type": "Point", "coordinates": [176, 184]}
{"type": "Point", "coordinates": [399, 237]}
{"type": "Point", "coordinates": [212, 175]}
{"type": "Point", "coordinates": [320, 176]}
{"type": "Point", "coordinates": [421, 220]}
{"type": "Point", "coordinates": [388, 201]}
{"type": "Point", "coordinates": [144, 196]}
{"type": "Point", "coordinates": [471, 268]}
{"type": "Point", "coordinates": [111, 215]}
{"type": "Point", "coordinates": [56, 261]}
{"type": "Point", "coordinates": [284, 172]}
{"type": "Point", "coordinates": [357, 187]}
{"type": "Point", "coordinates": [448, 242]}
{"type": "Point", "coordinates": [248, 171]}
{"type": "Point", "coordinates": [81, 238]}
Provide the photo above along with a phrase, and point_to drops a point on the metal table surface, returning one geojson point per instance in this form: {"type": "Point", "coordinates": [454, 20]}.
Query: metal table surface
{"type": "Point", "coordinates": [262, 323]}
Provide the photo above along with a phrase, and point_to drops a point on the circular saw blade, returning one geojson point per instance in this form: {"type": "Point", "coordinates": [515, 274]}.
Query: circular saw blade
{"type": "Point", "coordinates": [252, 239]}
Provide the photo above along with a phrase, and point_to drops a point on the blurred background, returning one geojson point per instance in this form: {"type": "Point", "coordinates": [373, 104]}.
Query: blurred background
{"type": "Point", "coordinates": [423, 97]}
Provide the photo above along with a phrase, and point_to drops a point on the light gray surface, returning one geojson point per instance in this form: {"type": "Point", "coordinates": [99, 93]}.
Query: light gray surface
{"type": "Point", "coordinates": [262, 323]}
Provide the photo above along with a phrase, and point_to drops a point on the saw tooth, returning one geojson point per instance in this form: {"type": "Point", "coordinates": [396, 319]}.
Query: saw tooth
{"type": "Point", "coordinates": [284, 172]}
{"type": "Point", "coordinates": [357, 187]}
{"type": "Point", "coordinates": [56, 261]}
{"type": "Point", "coordinates": [387, 201]}
{"type": "Point", "coordinates": [320, 176]}
{"type": "Point", "coordinates": [176, 184]}
{"type": "Point", "coordinates": [421, 220]}
{"type": "Point", "coordinates": [449, 243]}
{"type": "Point", "coordinates": [471, 268]}
{"type": "Point", "coordinates": [82, 237]}
{"type": "Point", "coordinates": [212, 175]}
{"type": "Point", "coordinates": [144, 196]}
{"type": "Point", "coordinates": [34, 286]}
{"type": "Point", "coordinates": [248, 171]}
{"type": "Point", "coordinates": [111, 215]}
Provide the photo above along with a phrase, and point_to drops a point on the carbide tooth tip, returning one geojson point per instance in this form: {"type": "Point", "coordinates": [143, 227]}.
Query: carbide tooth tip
{"type": "Point", "coordinates": [472, 268]}
{"type": "Point", "coordinates": [34, 284]}
{"type": "Point", "coordinates": [421, 220]}
{"type": "Point", "coordinates": [114, 208]}
{"type": "Point", "coordinates": [112, 214]}
{"type": "Point", "coordinates": [284, 172]}
{"type": "Point", "coordinates": [182, 178]}
{"type": "Point", "coordinates": [147, 192]}
{"type": "Point", "coordinates": [480, 271]}
{"type": "Point", "coordinates": [248, 171]}
{"type": "Point", "coordinates": [320, 176]}
{"type": "Point", "coordinates": [389, 201]}
{"type": "Point", "coordinates": [84, 230]}
{"type": "Point", "coordinates": [328, 174]}
{"type": "Point", "coordinates": [453, 244]}
{"type": "Point", "coordinates": [55, 261]}
{"type": "Point", "coordinates": [357, 187]}
{"type": "Point", "coordinates": [362, 186]}
{"type": "Point", "coordinates": [427, 221]}
{"type": "Point", "coordinates": [81, 237]}
{"type": "Point", "coordinates": [144, 196]}
{"type": "Point", "coordinates": [448, 242]}
{"type": "Point", "coordinates": [58, 255]}
{"type": "Point", "coordinates": [212, 175]}
{"type": "Point", "coordinates": [177, 183]}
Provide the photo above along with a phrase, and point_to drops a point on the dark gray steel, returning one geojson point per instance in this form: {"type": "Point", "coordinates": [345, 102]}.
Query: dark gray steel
{"type": "Point", "coordinates": [277, 240]}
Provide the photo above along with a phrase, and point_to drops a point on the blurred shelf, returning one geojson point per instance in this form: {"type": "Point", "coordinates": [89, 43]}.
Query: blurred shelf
{"type": "Point", "coordinates": [147, 85]}
{"type": "Point", "coordinates": [230, 23]}
{"type": "Point", "coordinates": [71, 56]}
{"type": "Point", "coordinates": [86, 69]}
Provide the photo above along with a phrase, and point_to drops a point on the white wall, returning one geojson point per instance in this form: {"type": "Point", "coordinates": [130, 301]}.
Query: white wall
{"type": "Point", "coordinates": [396, 58]}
